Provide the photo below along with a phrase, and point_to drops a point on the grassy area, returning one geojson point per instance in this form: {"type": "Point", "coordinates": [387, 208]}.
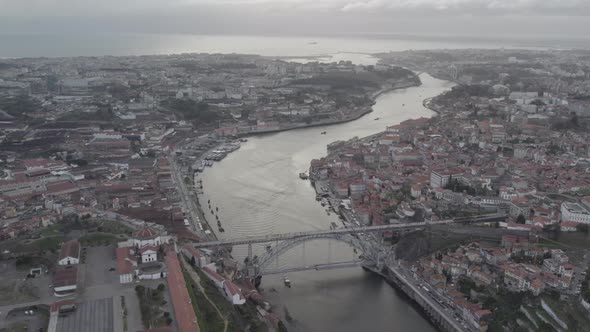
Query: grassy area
{"type": "Point", "coordinates": [52, 230]}
{"type": "Point", "coordinates": [506, 308]}
{"type": "Point", "coordinates": [73, 222]}
{"type": "Point", "coordinates": [214, 294]}
{"type": "Point", "coordinates": [51, 243]}
{"type": "Point", "coordinates": [571, 314]}
{"type": "Point", "coordinates": [192, 110]}
{"type": "Point", "coordinates": [16, 327]}
{"type": "Point", "coordinates": [150, 303]}
{"type": "Point", "coordinates": [48, 243]}
{"type": "Point", "coordinates": [551, 244]}
{"type": "Point", "coordinates": [112, 226]}
{"type": "Point", "coordinates": [248, 312]}
{"type": "Point", "coordinates": [16, 292]}
{"type": "Point", "coordinates": [209, 320]}
{"type": "Point", "coordinates": [97, 239]}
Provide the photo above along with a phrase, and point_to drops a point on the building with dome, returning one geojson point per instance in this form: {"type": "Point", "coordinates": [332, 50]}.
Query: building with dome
{"type": "Point", "coordinates": [137, 258]}
{"type": "Point", "coordinates": [147, 236]}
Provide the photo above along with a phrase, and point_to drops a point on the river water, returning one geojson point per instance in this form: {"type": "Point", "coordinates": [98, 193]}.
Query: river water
{"type": "Point", "coordinates": [258, 192]}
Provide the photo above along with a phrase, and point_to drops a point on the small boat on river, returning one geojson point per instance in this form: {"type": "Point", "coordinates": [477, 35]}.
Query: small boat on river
{"type": "Point", "coordinates": [286, 281]}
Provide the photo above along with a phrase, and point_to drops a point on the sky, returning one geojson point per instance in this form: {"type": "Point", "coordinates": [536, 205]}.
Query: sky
{"type": "Point", "coordinates": [505, 18]}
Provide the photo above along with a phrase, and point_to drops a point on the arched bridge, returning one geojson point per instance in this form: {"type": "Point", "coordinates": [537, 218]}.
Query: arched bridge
{"type": "Point", "coordinates": [316, 234]}
{"type": "Point", "coordinates": [360, 238]}
{"type": "Point", "coordinates": [370, 252]}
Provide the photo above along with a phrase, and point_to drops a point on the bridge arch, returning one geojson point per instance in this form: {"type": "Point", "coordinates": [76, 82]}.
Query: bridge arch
{"type": "Point", "coordinates": [264, 260]}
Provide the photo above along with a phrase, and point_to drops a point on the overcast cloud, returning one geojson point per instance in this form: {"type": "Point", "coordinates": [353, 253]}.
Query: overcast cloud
{"type": "Point", "coordinates": [478, 7]}
{"type": "Point", "coordinates": [504, 17]}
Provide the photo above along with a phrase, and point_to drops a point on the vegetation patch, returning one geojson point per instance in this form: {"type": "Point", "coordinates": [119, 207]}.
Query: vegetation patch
{"type": "Point", "coordinates": [150, 305]}
{"type": "Point", "coordinates": [16, 327]}
{"type": "Point", "coordinates": [98, 239]}
{"type": "Point", "coordinates": [191, 110]}
{"type": "Point", "coordinates": [16, 292]}
{"type": "Point", "coordinates": [209, 320]}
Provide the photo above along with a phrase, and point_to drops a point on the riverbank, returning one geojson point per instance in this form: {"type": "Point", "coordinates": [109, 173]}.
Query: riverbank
{"type": "Point", "coordinates": [426, 104]}
{"type": "Point", "coordinates": [401, 285]}
{"type": "Point", "coordinates": [356, 116]}
{"type": "Point", "coordinates": [383, 90]}
{"type": "Point", "coordinates": [405, 293]}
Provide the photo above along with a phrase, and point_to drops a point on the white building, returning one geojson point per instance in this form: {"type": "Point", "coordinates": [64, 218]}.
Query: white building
{"type": "Point", "coordinates": [149, 254]}
{"type": "Point", "coordinates": [126, 264]}
{"type": "Point", "coordinates": [575, 212]}
{"type": "Point", "coordinates": [147, 236]}
{"type": "Point", "coordinates": [233, 293]}
{"type": "Point", "coordinates": [440, 179]}
{"type": "Point", "coordinates": [142, 248]}
{"type": "Point", "coordinates": [69, 253]}
{"type": "Point", "coordinates": [65, 280]}
{"type": "Point", "coordinates": [230, 290]}
{"type": "Point", "coordinates": [191, 252]}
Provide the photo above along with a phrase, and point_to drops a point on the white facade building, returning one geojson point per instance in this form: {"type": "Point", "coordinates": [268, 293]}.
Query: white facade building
{"type": "Point", "coordinates": [69, 253]}
{"type": "Point", "coordinates": [574, 212]}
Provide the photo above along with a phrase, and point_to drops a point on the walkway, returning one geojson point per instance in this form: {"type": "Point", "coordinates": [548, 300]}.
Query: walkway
{"type": "Point", "coordinates": [197, 281]}
{"type": "Point", "coordinates": [290, 236]}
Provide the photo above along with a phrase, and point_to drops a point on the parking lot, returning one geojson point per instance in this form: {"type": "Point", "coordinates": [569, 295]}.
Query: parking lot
{"type": "Point", "coordinates": [90, 316]}
{"type": "Point", "coordinates": [96, 270]}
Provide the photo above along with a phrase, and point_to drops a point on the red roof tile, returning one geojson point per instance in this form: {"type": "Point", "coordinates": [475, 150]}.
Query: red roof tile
{"type": "Point", "coordinates": [124, 260]}
{"type": "Point", "coordinates": [65, 276]}
{"type": "Point", "coordinates": [61, 187]}
{"type": "Point", "coordinates": [146, 233]}
{"type": "Point", "coordinates": [146, 248]}
{"type": "Point", "coordinates": [213, 274]}
{"type": "Point", "coordinates": [70, 249]}
{"type": "Point", "coordinates": [192, 250]}
{"type": "Point", "coordinates": [183, 310]}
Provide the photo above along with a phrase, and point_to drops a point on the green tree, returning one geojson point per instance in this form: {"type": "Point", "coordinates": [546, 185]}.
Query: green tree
{"type": "Point", "coordinates": [520, 219]}
{"type": "Point", "coordinates": [582, 228]}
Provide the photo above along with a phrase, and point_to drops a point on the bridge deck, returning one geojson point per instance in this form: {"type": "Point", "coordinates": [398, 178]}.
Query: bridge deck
{"type": "Point", "coordinates": [311, 234]}
{"type": "Point", "coordinates": [316, 267]}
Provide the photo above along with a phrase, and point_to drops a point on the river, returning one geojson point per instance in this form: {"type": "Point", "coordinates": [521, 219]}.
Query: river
{"type": "Point", "coordinates": [258, 191]}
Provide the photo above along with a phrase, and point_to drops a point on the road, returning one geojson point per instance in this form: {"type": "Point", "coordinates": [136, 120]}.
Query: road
{"type": "Point", "coordinates": [189, 202]}
{"type": "Point", "coordinates": [404, 277]}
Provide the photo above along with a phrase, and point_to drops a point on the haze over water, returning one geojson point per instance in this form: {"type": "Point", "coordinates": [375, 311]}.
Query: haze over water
{"type": "Point", "coordinates": [99, 44]}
